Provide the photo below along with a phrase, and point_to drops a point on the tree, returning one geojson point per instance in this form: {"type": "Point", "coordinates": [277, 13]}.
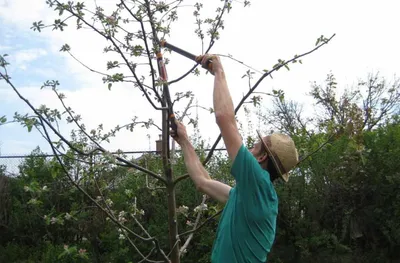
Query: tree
{"type": "Point", "coordinates": [132, 30]}
{"type": "Point", "coordinates": [346, 180]}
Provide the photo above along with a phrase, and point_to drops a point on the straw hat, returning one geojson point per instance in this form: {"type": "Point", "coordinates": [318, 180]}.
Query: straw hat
{"type": "Point", "coordinates": [282, 151]}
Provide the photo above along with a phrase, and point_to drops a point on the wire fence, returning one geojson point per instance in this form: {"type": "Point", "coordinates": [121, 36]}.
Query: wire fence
{"type": "Point", "coordinates": [11, 162]}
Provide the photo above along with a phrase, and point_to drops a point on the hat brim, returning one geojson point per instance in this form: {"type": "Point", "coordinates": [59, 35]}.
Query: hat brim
{"type": "Point", "coordinates": [283, 175]}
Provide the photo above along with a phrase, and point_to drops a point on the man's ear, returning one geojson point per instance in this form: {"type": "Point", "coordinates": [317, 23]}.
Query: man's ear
{"type": "Point", "coordinates": [262, 158]}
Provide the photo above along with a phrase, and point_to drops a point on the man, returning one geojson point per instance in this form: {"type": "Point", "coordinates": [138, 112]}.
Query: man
{"type": "Point", "coordinates": [246, 230]}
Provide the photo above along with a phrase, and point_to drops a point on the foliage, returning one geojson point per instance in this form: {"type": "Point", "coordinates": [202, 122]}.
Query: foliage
{"type": "Point", "coordinates": [340, 205]}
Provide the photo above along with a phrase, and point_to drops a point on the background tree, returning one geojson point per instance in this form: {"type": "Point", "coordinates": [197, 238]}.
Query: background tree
{"type": "Point", "coordinates": [329, 210]}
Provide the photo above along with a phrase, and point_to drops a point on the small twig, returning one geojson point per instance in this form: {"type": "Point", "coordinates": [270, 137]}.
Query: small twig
{"type": "Point", "coordinates": [155, 240]}
{"type": "Point", "coordinates": [319, 148]}
{"type": "Point", "coordinates": [180, 119]}
{"type": "Point", "coordinates": [209, 47]}
{"type": "Point", "coordinates": [241, 62]}
{"type": "Point", "coordinates": [202, 224]}
{"type": "Point", "coordinates": [86, 66]}
{"type": "Point", "coordinates": [187, 242]}
{"type": "Point", "coordinates": [180, 178]}
{"type": "Point", "coordinates": [148, 255]}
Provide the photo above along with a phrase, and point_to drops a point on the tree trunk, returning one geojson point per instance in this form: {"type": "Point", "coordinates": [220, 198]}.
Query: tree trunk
{"type": "Point", "coordinates": [172, 222]}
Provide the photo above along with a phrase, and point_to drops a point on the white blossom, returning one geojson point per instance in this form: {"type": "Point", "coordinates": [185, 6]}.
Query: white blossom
{"type": "Point", "coordinates": [109, 202]}
{"type": "Point", "coordinates": [67, 216]}
{"type": "Point", "coordinates": [121, 217]}
{"type": "Point", "coordinates": [183, 209]}
{"type": "Point", "coordinates": [201, 207]}
{"type": "Point", "coordinates": [33, 201]}
{"type": "Point", "coordinates": [53, 220]}
{"type": "Point", "coordinates": [121, 237]}
{"type": "Point", "coordinates": [122, 213]}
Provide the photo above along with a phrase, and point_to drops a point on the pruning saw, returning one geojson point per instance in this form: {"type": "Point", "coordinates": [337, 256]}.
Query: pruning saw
{"type": "Point", "coordinates": [164, 76]}
{"type": "Point", "coordinates": [186, 54]}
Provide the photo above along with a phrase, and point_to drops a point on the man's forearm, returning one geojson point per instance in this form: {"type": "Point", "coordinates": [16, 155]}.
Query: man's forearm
{"type": "Point", "coordinates": [195, 168]}
{"type": "Point", "coordinates": [223, 105]}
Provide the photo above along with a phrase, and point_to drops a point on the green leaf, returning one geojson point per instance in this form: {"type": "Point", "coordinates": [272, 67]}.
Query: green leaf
{"type": "Point", "coordinates": [37, 26]}
{"type": "Point", "coordinates": [65, 48]}
{"type": "Point", "coordinates": [3, 119]}
{"type": "Point", "coordinates": [109, 86]}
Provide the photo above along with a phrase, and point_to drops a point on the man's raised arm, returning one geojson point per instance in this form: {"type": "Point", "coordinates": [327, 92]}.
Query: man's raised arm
{"type": "Point", "coordinates": [223, 108]}
{"type": "Point", "coordinates": [202, 180]}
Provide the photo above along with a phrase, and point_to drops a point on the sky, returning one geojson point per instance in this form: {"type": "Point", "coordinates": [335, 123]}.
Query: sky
{"type": "Point", "coordinates": [367, 40]}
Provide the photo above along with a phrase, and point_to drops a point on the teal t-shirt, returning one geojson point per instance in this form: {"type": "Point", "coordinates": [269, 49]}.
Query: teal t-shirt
{"type": "Point", "coordinates": [246, 230]}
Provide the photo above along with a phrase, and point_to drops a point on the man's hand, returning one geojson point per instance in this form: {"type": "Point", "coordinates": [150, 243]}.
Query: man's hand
{"type": "Point", "coordinates": [214, 59]}
{"type": "Point", "coordinates": [182, 135]}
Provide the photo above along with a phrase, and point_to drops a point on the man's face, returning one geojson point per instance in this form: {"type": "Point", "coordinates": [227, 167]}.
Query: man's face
{"type": "Point", "coordinates": [256, 149]}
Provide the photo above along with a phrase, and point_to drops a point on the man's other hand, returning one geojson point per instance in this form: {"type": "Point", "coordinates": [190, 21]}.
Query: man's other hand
{"type": "Point", "coordinates": [215, 60]}
{"type": "Point", "coordinates": [182, 134]}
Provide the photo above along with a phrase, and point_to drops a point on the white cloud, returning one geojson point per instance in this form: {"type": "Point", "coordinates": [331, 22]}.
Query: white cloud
{"type": "Point", "coordinates": [23, 13]}
{"type": "Point", "coordinates": [23, 57]}
{"type": "Point", "coordinates": [4, 48]}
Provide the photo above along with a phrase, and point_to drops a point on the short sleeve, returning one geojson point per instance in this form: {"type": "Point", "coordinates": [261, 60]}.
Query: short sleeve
{"type": "Point", "coordinates": [248, 173]}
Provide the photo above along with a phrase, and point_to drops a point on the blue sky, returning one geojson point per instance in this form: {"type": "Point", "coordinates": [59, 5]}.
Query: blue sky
{"type": "Point", "coordinates": [367, 39]}
{"type": "Point", "coordinates": [31, 63]}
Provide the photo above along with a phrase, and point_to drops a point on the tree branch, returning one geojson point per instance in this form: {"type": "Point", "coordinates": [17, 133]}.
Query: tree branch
{"type": "Point", "coordinates": [258, 83]}
{"type": "Point", "coordinates": [70, 144]}
{"type": "Point", "coordinates": [147, 48]}
{"type": "Point", "coordinates": [85, 193]}
{"type": "Point", "coordinates": [187, 242]}
{"type": "Point", "coordinates": [107, 37]}
{"type": "Point", "coordinates": [209, 46]}
{"type": "Point", "coordinates": [202, 224]}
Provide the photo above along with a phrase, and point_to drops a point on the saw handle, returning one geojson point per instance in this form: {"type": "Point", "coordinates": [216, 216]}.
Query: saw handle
{"type": "Point", "coordinates": [184, 53]}
{"type": "Point", "coordinates": [173, 125]}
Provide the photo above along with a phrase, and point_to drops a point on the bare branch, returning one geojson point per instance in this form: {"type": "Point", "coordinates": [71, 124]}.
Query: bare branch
{"type": "Point", "coordinates": [258, 83]}
{"type": "Point", "coordinates": [109, 38]}
{"type": "Point", "coordinates": [187, 242]}
{"type": "Point", "coordinates": [241, 62]}
{"type": "Point", "coordinates": [219, 19]}
{"type": "Point", "coordinates": [146, 46]}
{"type": "Point", "coordinates": [101, 149]}
{"type": "Point", "coordinates": [202, 224]}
